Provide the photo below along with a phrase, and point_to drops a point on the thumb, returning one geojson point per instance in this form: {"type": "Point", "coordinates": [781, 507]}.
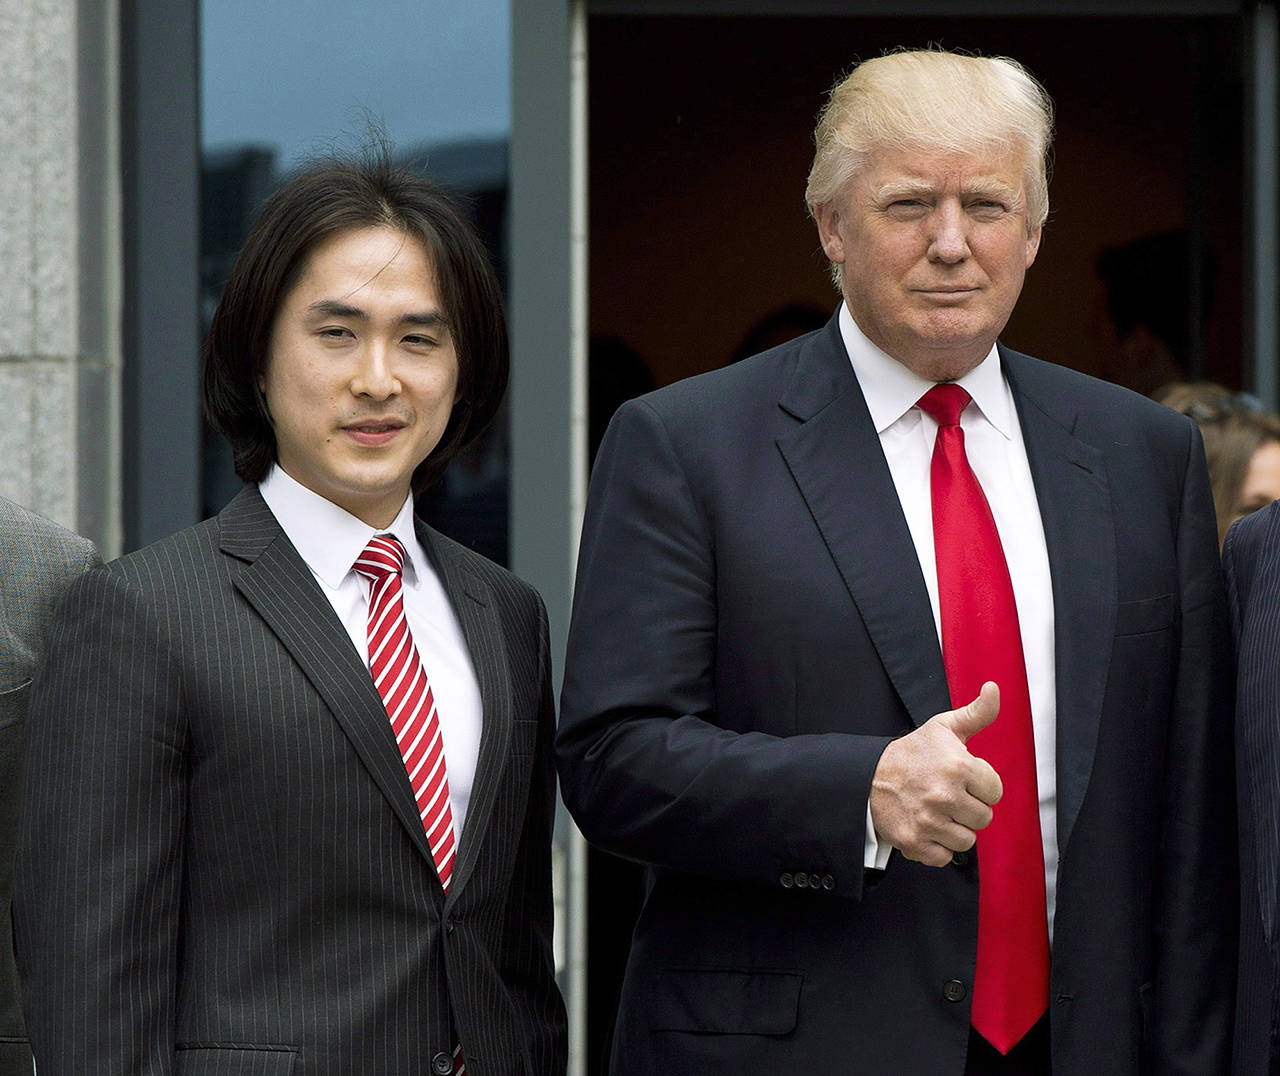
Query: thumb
{"type": "Point", "coordinates": [975, 717]}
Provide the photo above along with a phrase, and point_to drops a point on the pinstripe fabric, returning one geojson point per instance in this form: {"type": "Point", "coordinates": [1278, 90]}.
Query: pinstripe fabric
{"type": "Point", "coordinates": [227, 873]}
{"type": "Point", "coordinates": [37, 560]}
{"type": "Point", "coordinates": [1251, 557]}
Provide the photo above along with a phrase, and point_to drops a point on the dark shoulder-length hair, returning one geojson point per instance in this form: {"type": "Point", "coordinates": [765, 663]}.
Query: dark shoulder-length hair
{"type": "Point", "coordinates": [324, 199]}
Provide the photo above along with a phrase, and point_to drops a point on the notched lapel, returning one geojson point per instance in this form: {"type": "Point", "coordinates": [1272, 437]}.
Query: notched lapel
{"type": "Point", "coordinates": [835, 457]}
{"type": "Point", "coordinates": [1079, 530]}
{"type": "Point", "coordinates": [280, 587]}
{"type": "Point", "coordinates": [474, 606]}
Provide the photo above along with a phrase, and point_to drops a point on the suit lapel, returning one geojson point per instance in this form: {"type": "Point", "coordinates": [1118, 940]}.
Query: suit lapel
{"type": "Point", "coordinates": [1075, 506]}
{"type": "Point", "coordinates": [473, 604]}
{"type": "Point", "coordinates": [835, 458]}
{"type": "Point", "coordinates": [278, 584]}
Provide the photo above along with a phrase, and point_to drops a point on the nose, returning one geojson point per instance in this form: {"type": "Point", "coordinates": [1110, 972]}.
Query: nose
{"type": "Point", "coordinates": [949, 241]}
{"type": "Point", "coordinates": [374, 376]}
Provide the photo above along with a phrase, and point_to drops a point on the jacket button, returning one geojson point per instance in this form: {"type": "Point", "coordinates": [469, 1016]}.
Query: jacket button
{"type": "Point", "coordinates": [960, 859]}
{"type": "Point", "coordinates": [802, 880]}
{"type": "Point", "coordinates": [448, 926]}
{"type": "Point", "coordinates": [828, 882]}
{"type": "Point", "coordinates": [786, 881]}
{"type": "Point", "coordinates": [954, 990]}
{"type": "Point", "coordinates": [442, 1064]}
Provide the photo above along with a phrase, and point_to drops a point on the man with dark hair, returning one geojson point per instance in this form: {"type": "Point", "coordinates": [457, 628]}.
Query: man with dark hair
{"type": "Point", "coordinates": [289, 803]}
{"type": "Point", "coordinates": [899, 657]}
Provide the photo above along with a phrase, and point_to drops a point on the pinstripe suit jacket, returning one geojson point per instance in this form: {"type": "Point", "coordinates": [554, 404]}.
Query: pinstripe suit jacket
{"type": "Point", "coordinates": [1251, 557]}
{"type": "Point", "coordinates": [223, 869]}
{"type": "Point", "coordinates": [37, 560]}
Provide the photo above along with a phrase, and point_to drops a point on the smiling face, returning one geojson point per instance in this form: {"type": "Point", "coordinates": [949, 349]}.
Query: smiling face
{"type": "Point", "coordinates": [933, 247]}
{"type": "Point", "coordinates": [362, 373]}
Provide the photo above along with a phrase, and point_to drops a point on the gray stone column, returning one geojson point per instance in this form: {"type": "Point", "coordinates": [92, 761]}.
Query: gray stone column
{"type": "Point", "coordinates": [60, 263]}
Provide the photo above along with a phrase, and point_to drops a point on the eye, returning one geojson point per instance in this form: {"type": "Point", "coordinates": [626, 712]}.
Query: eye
{"type": "Point", "coordinates": [987, 208]}
{"type": "Point", "coordinates": [907, 208]}
{"type": "Point", "coordinates": [420, 340]}
{"type": "Point", "coordinates": [335, 332]}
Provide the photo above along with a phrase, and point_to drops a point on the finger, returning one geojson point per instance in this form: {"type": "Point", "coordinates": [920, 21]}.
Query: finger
{"type": "Point", "coordinates": [929, 841]}
{"type": "Point", "coordinates": [930, 853]}
{"type": "Point", "coordinates": [983, 782]}
{"type": "Point", "coordinates": [972, 814]}
{"type": "Point", "coordinates": [955, 836]}
{"type": "Point", "coordinates": [972, 719]}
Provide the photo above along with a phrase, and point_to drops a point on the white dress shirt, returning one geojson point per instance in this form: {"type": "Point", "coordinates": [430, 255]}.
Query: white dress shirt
{"type": "Point", "coordinates": [330, 539]}
{"type": "Point", "coordinates": [995, 449]}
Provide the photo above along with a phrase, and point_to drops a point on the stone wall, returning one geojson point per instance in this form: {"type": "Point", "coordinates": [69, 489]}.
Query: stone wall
{"type": "Point", "coordinates": [59, 262]}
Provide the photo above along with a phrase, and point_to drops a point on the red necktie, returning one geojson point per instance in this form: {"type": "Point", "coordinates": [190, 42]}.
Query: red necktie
{"type": "Point", "coordinates": [980, 642]}
{"type": "Point", "coordinates": [402, 682]}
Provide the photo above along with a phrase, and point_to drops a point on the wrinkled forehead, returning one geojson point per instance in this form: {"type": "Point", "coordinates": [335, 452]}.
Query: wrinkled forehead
{"type": "Point", "coordinates": [999, 170]}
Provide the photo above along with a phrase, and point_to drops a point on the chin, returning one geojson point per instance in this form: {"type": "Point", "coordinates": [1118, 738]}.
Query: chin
{"type": "Point", "coordinates": [935, 362]}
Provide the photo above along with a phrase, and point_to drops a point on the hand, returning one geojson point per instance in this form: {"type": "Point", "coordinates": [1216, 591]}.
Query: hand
{"type": "Point", "coordinates": [929, 796]}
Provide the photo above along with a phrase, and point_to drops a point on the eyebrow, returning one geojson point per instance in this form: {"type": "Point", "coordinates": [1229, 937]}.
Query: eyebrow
{"type": "Point", "coordinates": [430, 319]}
{"type": "Point", "coordinates": [978, 185]}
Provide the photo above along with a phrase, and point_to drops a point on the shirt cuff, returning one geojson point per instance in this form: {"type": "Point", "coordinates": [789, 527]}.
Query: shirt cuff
{"type": "Point", "coordinates": [875, 852]}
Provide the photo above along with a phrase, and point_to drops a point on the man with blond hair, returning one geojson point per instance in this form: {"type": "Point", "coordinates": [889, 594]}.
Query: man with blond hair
{"type": "Point", "coordinates": [898, 657]}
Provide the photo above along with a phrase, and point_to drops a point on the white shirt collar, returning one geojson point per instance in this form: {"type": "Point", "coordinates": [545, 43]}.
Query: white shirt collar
{"type": "Point", "coordinates": [327, 537]}
{"type": "Point", "coordinates": [891, 390]}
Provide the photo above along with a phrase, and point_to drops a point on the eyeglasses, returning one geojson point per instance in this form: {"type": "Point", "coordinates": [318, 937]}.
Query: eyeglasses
{"type": "Point", "coordinates": [1204, 412]}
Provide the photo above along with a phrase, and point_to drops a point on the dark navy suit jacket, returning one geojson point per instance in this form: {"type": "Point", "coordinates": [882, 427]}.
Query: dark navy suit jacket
{"type": "Point", "coordinates": [751, 627]}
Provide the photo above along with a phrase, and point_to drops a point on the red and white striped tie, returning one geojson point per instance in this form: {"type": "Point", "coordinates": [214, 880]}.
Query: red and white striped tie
{"type": "Point", "coordinates": [402, 682]}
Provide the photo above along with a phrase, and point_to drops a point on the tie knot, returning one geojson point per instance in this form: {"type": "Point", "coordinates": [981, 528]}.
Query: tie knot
{"type": "Point", "coordinates": [944, 403]}
{"type": "Point", "coordinates": [383, 556]}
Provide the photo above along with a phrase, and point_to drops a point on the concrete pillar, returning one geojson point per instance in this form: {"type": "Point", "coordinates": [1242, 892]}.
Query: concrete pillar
{"type": "Point", "coordinates": [59, 263]}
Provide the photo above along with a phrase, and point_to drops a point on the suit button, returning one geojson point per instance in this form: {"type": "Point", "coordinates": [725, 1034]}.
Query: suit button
{"type": "Point", "coordinates": [802, 880]}
{"type": "Point", "coordinates": [954, 990]}
{"type": "Point", "coordinates": [786, 881]}
{"type": "Point", "coordinates": [828, 882]}
{"type": "Point", "coordinates": [442, 1064]}
{"type": "Point", "coordinates": [960, 859]}
{"type": "Point", "coordinates": [448, 926]}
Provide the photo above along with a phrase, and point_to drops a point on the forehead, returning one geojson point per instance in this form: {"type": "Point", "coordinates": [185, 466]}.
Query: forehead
{"type": "Point", "coordinates": [936, 167]}
{"type": "Point", "coordinates": [355, 257]}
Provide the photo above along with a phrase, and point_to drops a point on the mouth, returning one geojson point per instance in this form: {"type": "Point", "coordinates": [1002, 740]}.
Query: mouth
{"type": "Point", "coordinates": [374, 432]}
{"type": "Point", "coordinates": [948, 294]}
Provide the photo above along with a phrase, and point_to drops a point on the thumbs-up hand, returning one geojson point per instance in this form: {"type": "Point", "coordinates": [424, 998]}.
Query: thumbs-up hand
{"type": "Point", "coordinates": [929, 796]}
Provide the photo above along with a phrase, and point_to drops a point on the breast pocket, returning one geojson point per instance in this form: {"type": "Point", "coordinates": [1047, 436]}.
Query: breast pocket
{"type": "Point", "coordinates": [1146, 615]}
{"type": "Point", "coordinates": [235, 1060]}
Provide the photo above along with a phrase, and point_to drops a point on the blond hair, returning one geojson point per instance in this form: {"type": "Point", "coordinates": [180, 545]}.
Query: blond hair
{"type": "Point", "coordinates": [934, 99]}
